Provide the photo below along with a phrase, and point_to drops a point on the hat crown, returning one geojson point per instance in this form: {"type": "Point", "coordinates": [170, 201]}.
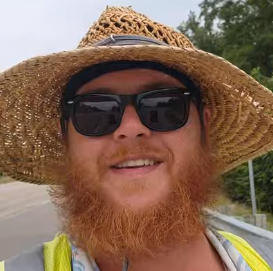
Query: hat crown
{"type": "Point", "coordinates": [125, 21]}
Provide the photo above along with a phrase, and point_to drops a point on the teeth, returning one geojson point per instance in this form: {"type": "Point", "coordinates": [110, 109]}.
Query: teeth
{"type": "Point", "coordinates": [136, 163]}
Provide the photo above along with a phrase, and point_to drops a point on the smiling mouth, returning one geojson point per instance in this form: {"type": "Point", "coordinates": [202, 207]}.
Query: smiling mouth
{"type": "Point", "coordinates": [139, 163]}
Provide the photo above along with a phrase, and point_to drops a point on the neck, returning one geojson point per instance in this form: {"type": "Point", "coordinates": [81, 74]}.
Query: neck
{"type": "Point", "coordinates": [195, 255]}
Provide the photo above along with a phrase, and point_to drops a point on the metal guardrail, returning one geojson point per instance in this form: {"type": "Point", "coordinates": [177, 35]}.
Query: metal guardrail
{"type": "Point", "coordinates": [260, 239]}
{"type": "Point", "coordinates": [240, 225]}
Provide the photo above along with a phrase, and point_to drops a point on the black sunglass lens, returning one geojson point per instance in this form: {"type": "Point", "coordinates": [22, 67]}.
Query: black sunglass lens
{"type": "Point", "coordinates": [97, 115]}
{"type": "Point", "coordinates": [164, 111]}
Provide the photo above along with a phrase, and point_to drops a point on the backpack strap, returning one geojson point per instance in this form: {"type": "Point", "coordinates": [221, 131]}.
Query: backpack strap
{"type": "Point", "coordinates": [253, 259]}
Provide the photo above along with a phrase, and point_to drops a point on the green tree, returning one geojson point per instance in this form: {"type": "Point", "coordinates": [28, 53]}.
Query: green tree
{"type": "Point", "coordinates": [240, 31]}
{"type": "Point", "coordinates": [265, 80]}
{"type": "Point", "coordinates": [236, 183]}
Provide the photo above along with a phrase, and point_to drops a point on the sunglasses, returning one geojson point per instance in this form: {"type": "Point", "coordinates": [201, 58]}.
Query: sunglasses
{"type": "Point", "coordinates": [98, 114]}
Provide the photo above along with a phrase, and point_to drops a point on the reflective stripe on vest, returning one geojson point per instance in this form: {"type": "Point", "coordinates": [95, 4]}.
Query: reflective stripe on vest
{"type": "Point", "coordinates": [253, 259]}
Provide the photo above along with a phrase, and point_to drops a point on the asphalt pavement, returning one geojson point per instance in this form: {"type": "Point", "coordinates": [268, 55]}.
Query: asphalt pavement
{"type": "Point", "coordinates": [27, 229]}
{"type": "Point", "coordinates": [27, 218]}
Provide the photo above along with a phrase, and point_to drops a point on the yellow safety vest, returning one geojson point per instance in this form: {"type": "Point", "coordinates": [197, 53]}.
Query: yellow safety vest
{"type": "Point", "coordinates": [56, 256]}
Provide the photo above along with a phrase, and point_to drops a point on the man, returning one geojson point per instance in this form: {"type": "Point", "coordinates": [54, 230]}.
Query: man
{"type": "Point", "coordinates": [132, 130]}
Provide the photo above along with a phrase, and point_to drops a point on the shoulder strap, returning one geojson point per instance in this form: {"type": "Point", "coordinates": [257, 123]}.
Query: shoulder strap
{"type": "Point", "coordinates": [32, 260]}
{"type": "Point", "coordinates": [253, 259]}
{"type": "Point", "coordinates": [57, 254]}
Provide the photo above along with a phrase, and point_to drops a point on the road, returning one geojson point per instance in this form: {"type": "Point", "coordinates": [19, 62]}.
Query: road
{"type": "Point", "coordinates": [27, 218]}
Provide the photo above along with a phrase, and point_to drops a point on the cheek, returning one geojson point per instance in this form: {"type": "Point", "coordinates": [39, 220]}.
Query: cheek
{"type": "Point", "coordinates": [186, 140]}
{"type": "Point", "coordinates": [83, 149]}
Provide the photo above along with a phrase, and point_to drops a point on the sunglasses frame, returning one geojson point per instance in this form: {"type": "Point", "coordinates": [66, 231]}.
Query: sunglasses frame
{"type": "Point", "coordinates": [125, 100]}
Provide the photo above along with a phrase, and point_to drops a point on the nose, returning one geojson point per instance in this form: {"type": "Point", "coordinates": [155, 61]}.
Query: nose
{"type": "Point", "coordinates": [131, 126]}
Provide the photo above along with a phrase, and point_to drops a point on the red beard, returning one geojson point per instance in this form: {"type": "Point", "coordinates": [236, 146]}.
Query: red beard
{"type": "Point", "coordinates": [102, 230]}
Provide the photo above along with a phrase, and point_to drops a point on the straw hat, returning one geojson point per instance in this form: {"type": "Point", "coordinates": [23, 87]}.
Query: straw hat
{"type": "Point", "coordinates": [30, 142]}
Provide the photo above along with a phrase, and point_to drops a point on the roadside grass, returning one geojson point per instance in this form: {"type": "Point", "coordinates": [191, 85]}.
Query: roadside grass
{"type": "Point", "coordinates": [242, 210]}
{"type": "Point", "coordinates": [5, 179]}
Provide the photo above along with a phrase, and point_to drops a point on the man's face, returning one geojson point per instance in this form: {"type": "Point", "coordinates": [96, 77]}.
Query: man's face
{"type": "Point", "coordinates": [109, 187]}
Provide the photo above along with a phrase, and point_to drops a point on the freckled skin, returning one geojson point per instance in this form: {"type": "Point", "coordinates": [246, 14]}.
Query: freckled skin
{"type": "Point", "coordinates": [131, 131]}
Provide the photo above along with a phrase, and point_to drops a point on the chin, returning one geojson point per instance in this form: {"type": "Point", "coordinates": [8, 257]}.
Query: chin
{"type": "Point", "coordinates": [139, 204]}
{"type": "Point", "coordinates": [138, 196]}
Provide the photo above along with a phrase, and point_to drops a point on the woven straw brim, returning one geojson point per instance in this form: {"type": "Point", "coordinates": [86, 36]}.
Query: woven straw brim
{"type": "Point", "coordinates": [30, 143]}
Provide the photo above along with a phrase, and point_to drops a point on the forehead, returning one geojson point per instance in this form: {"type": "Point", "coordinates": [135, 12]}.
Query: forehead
{"type": "Point", "coordinates": [130, 82]}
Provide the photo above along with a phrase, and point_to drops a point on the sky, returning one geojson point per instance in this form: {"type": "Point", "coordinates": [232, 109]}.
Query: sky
{"type": "Point", "coordinates": [30, 28]}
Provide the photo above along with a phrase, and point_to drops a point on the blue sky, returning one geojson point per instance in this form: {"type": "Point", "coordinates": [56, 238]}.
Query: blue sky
{"type": "Point", "coordinates": [38, 27]}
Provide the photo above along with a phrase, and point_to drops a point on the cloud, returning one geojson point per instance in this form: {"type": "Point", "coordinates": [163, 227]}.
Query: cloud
{"type": "Point", "coordinates": [30, 27]}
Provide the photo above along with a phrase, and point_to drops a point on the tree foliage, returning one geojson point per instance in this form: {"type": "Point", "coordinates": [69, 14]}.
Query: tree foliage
{"type": "Point", "coordinates": [242, 32]}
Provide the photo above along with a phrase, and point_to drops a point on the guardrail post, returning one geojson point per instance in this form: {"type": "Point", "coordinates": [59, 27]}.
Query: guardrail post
{"type": "Point", "coordinates": [252, 187]}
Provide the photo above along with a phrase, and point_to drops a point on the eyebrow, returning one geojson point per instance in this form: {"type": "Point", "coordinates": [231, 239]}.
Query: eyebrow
{"type": "Point", "coordinates": [140, 88]}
